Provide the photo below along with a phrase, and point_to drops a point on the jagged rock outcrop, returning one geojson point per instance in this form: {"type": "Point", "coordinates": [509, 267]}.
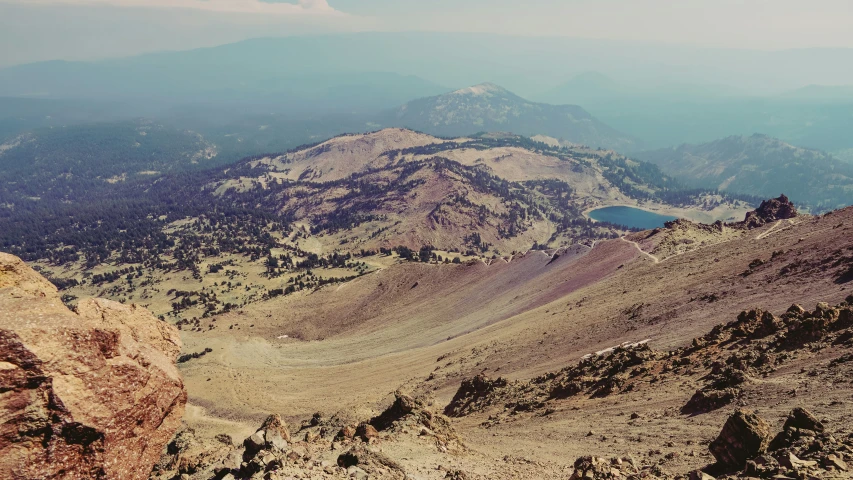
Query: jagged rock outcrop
{"type": "Point", "coordinates": [804, 449]}
{"type": "Point", "coordinates": [366, 460]}
{"type": "Point", "coordinates": [682, 224]}
{"type": "Point", "coordinates": [800, 423]}
{"type": "Point", "coordinates": [366, 432]}
{"type": "Point", "coordinates": [770, 211]}
{"type": "Point", "coordinates": [759, 342]}
{"type": "Point", "coordinates": [314, 451]}
{"type": "Point", "coordinates": [681, 236]}
{"type": "Point", "coordinates": [709, 399]}
{"type": "Point", "coordinates": [601, 374]}
{"type": "Point", "coordinates": [410, 414]}
{"type": "Point", "coordinates": [94, 394]}
{"type": "Point", "coordinates": [611, 371]}
{"type": "Point", "coordinates": [617, 468]}
{"type": "Point", "coordinates": [273, 435]}
{"type": "Point", "coordinates": [732, 355]}
{"type": "Point", "coordinates": [597, 468]}
{"type": "Point", "coordinates": [472, 395]}
{"type": "Point", "coordinates": [743, 450]}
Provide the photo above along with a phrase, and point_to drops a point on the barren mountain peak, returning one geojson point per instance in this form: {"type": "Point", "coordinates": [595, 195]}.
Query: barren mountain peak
{"type": "Point", "coordinates": [481, 89]}
{"type": "Point", "coordinates": [491, 108]}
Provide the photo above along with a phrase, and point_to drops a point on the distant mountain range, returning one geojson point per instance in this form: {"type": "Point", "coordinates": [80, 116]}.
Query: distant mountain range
{"type": "Point", "coordinates": [242, 131]}
{"type": "Point", "coordinates": [660, 95]}
{"type": "Point", "coordinates": [526, 65]}
{"type": "Point", "coordinates": [490, 108]}
{"type": "Point", "coordinates": [828, 93]}
{"type": "Point", "coordinates": [141, 85]}
{"type": "Point", "coordinates": [596, 88]}
{"type": "Point", "coordinates": [760, 165]}
{"type": "Point", "coordinates": [673, 113]}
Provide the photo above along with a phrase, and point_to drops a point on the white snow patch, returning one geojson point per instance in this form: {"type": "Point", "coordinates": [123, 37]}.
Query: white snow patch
{"type": "Point", "coordinates": [610, 350]}
{"type": "Point", "coordinates": [481, 89]}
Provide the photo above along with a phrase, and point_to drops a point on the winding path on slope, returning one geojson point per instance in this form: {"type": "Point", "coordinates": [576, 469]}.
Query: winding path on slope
{"type": "Point", "coordinates": [791, 222]}
{"type": "Point", "coordinates": [637, 246]}
{"type": "Point", "coordinates": [769, 231]}
{"type": "Point", "coordinates": [762, 236]}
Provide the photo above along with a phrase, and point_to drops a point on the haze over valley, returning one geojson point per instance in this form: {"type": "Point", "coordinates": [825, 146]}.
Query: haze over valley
{"type": "Point", "coordinates": [405, 240]}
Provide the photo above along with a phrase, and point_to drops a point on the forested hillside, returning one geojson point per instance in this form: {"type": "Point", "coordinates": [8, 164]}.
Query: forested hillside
{"type": "Point", "coordinates": [761, 165]}
{"type": "Point", "coordinates": [61, 162]}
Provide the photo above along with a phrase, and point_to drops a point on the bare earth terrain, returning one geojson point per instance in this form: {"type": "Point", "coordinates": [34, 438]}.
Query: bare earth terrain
{"type": "Point", "coordinates": [424, 329]}
{"type": "Point", "coordinates": [397, 305]}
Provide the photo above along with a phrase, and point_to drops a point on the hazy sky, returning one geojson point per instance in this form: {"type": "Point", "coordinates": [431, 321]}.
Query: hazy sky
{"type": "Point", "coordinates": [33, 30]}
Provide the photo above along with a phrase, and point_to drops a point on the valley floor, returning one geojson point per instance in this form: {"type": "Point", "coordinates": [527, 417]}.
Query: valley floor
{"type": "Point", "coordinates": [423, 329]}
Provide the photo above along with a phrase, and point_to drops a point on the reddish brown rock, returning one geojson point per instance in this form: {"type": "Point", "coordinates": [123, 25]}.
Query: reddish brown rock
{"type": "Point", "coordinates": [800, 418]}
{"type": "Point", "coordinates": [366, 431]}
{"type": "Point", "coordinates": [594, 468]}
{"type": "Point", "coordinates": [770, 211]}
{"type": "Point", "coordinates": [274, 423]}
{"type": "Point", "coordinates": [88, 395]}
{"type": "Point", "coordinates": [744, 437]}
{"type": "Point", "coordinates": [346, 432]}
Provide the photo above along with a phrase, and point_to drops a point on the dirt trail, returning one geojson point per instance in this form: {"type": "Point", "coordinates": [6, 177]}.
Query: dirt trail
{"type": "Point", "coordinates": [774, 229]}
{"type": "Point", "coordinates": [198, 417]}
{"type": "Point", "coordinates": [637, 245]}
{"type": "Point", "coordinates": [768, 232]}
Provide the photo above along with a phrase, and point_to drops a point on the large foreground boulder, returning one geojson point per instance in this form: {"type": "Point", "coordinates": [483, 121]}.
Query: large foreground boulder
{"type": "Point", "coordinates": [273, 435]}
{"type": "Point", "coordinates": [89, 395]}
{"type": "Point", "coordinates": [744, 437]}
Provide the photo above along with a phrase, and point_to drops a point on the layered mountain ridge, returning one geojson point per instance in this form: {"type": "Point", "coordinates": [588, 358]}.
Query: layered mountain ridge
{"type": "Point", "coordinates": [355, 203]}
{"type": "Point", "coordinates": [490, 108]}
{"type": "Point", "coordinates": [413, 189]}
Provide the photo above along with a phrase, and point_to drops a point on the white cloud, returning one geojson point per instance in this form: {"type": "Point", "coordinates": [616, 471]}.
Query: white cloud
{"type": "Point", "coordinates": [303, 7]}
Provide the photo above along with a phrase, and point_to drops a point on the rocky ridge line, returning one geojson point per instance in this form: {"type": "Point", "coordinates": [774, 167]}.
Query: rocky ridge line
{"type": "Point", "coordinates": [755, 344]}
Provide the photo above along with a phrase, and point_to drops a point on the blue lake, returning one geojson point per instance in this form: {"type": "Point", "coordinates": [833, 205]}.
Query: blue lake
{"type": "Point", "coordinates": [630, 217]}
